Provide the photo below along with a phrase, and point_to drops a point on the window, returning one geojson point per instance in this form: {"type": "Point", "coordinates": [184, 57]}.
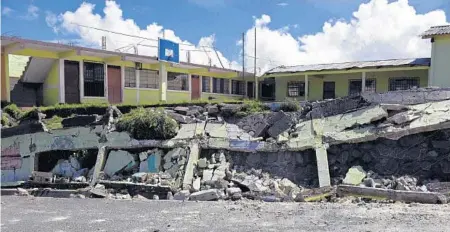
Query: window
{"type": "Point", "coordinates": [148, 79]}
{"type": "Point", "coordinates": [403, 83]}
{"type": "Point", "coordinates": [206, 84]}
{"type": "Point", "coordinates": [296, 88]}
{"type": "Point", "coordinates": [221, 85]}
{"type": "Point", "coordinates": [130, 77]}
{"type": "Point", "coordinates": [355, 86]}
{"type": "Point", "coordinates": [94, 80]}
{"type": "Point", "coordinates": [177, 81]}
{"type": "Point", "coordinates": [237, 87]}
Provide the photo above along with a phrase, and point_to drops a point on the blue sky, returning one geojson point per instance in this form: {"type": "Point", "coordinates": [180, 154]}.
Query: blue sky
{"type": "Point", "coordinates": [193, 19]}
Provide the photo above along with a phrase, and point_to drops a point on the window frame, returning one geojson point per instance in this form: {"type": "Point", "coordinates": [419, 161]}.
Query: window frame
{"type": "Point", "coordinates": [127, 71]}
{"type": "Point", "coordinates": [102, 80]}
{"type": "Point", "coordinates": [223, 85]}
{"type": "Point", "coordinates": [151, 72]}
{"type": "Point", "coordinates": [366, 89]}
{"type": "Point", "coordinates": [392, 79]}
{"type": "Point", "coordinates": [208, 86]}
{"type": "Point", "coordinates": [300, 88]}
{"type": "Point", "coordinates": [240, 87]}
{"type": "Point", "coordinates": [186, 84]}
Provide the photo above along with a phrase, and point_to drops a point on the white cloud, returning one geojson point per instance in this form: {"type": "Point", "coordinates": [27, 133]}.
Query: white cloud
{"type": "Point", "coordinates": [32, 13]}
{"type": "Point", "coordinates": [113, 20]}
{"type": "Point", "coordinates": [378, 30]}
{"type": "Point", "coordinates": [7, 11]}
{"type": "Point", "coordinates": [52, 20]}
{"type": "Point", "coordinates": [282, 4]}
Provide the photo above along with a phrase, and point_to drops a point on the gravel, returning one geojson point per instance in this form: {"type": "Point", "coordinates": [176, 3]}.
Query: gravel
{"type": "Point", "coordinates": [51, 214]}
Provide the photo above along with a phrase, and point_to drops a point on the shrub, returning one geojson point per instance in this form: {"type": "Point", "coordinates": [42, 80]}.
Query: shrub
{"type": "Point", "coordinates": [252, 107]}
{"type": "Point", "coordinates": [148, 124]}
{"type": "Point", "coordinates": [13, 111]}
{"type": "Point", "coordinates": [5, 120]}
{"type": "Point", "coordinates": [290, 106]}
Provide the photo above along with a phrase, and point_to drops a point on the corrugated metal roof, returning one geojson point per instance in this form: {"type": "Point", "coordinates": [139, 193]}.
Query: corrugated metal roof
{"type": "Point", "coordinates": [352, 65]}
{"type": "Point", "coordinates": [437, 30]}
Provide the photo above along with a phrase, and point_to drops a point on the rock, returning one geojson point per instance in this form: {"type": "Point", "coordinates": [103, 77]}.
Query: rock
{"type": "Point", "coordinates": [283, 137]}
{"type": "Point", "coordinates": [155, 197]}
{"type": "Point", "coordinates": [207, 174]}
{"type": "Point", "coordinates": [212, 110]}
{"type": "Point", "coordinates": [139, 177]}
{"type": "Point", "coordinates": [139, 197]}
{"type": "Point", "coordinates": [202, 163]}
{"type": "Point", "coordinates": [79, 121]}
{"type": "Point", "coordinates": [280, 126]}
{"type": "Point", "coordinates": [118, 160]}
{"type": "Point", "coordinates": [287, 186]}
{"type": "Point", "coordinates": [222, 158]}
{"type": "Point", "coordinates": [196, 184]}
{"type": "Point", "coordinates": [205, 195]}
{"type": "Point", "coordinates": [22, 192]}
{"type": "Point", "coordinates": [236, 196]}
{"type": "Point", "coordinates": [143, 156]}
{"type": "Point", "coordinates": [181, 195]}
{"type": "Point", "coordinates": [169, 196]}
{"type": "Point", "coordinates": [80, 179]}
{"type": "Point", "coordinates": [270, 199]}
{"type": "Point", "coordinates": [232, 191]}
{"type": "Point", "coordinates": [80, 196]}
{"type": "Point", "coordinates": [181, 118]}
{"type": "Point", "coordinates": [354, 176]}
{"type": "Point", "coordinates": [218, 175]}
{"type": "Point", "coordinates": [402, 118]}
{"type": "Point", "coordinates": [99, 191]}
{"type": "Point", "coordinates": [181, 110]}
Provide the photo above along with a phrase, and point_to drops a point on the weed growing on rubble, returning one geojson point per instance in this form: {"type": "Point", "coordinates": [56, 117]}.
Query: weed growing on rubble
{"type": "Point", "coordinates": [5, 120]}
{"type": "Point", "coordinates": [53, 123]}
{"type": "Point", "coordinates": [252, 107]}
{"type": "Point", "coordinates": [290, 106]}
{"type": "Point", "coordinates": [13, 111]}
{"type": "Point", "coordinates": [144, 123]}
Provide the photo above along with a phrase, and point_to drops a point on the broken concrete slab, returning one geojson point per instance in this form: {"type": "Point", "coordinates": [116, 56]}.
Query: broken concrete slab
{"type": "Point", "coordinates": [118, 160]}
{"type": "Point", "coordinates": [202, 163]}
{"type": "Point", "coordinates": [194, 152]}
{"type": "Point", "coordinates": [336, 106]}
{"type": "Point", "coordinates": [196, 184]}
{"type": "Point", "coordinates": [79, 120]}
{"type": "Point", "coordinates": [28, 128]}
{"type": "Point", "coordinates": [389, 194]}
{"type": "Point", "coordinates": [187, 131]}
{"type": "Point", "coordinates": [205, 195]}
{"type": "Point", "coordinates": [182, 195]}
{"type": "Point", "coordinates": [181, 118]}
{"type": "Point", "coordinates": [355, 175]}
{"type": "Point", "coordinates": [402, 118]}
{"type": "Point", "coordinates": [181, 110]}
{"type": "Point", "coordinates": [207, 174]}
{"type": "Point", "coordinates": [212, 110]}
{"type": "Point", "coordinates": [409, 97]}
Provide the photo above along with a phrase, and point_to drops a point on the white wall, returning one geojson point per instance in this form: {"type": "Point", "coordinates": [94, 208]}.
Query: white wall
{"type": "Point", "coordinates": [440, 62]}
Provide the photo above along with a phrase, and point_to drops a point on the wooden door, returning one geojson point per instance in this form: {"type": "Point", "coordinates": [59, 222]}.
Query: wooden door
{"type": "Point", "coordinates": [72, 82]}
{"type": "Point", "coordinates": [328, 90]}
{"type": "Point", "coordinates": [114, 85]}
{"type": "Point", "coordinates": [195, 84]}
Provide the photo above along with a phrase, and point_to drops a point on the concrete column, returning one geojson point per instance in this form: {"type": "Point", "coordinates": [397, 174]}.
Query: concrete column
{"type": "Point", "coordinates": [81, 70]}
{"type": "Point", "coordinates": [138, 77]}
{"type": "Point", "coordinates": [363, 82]}
{"type": "Point", "coordinates": [122, 83]}
{"type": "Point", "coordinates": [192, 161]}
{"type": "Point", "coordinates": [62, 89]}
{"type": "Point", "coordinates": [5, 86]}
{"type": "Point", "coordinates": [256, 90]}
{"type": "Point", "coordinates": [306, 87]}
{"type": "Point", "coordinates": [162, 82]}
{"type": "Point", "coordinates": [211, 85]}
{"type": "Point", "coordinates": [105, 66]}
{"type": "Point", "coordinates": [201, 86]}
{"type": "Point", "coordinates": [323, 170]}
{"type": "Point", "coordinates": [229, 86]}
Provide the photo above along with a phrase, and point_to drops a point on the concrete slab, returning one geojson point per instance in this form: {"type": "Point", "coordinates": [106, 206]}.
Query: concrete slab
{"type": "Point", "coordinates": [118, 160]}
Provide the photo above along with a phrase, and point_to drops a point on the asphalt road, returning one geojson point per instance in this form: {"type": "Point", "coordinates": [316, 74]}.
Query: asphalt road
{"type": "Point", "coordinates": [50, 214]}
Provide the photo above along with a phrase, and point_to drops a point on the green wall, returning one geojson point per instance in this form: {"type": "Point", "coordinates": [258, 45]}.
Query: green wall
{"type": "Point", "coordinates": [342, 82]}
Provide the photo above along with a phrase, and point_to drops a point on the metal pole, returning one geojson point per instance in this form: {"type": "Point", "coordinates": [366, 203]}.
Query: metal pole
{"type": "Point", "coordinates": [255, 86]}
{"type": "Point", "coordinates": [243, 60]}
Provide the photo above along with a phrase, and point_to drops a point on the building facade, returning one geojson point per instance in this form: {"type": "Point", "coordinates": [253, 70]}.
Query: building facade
{"type": "Point", "coordinates": [69, 74]}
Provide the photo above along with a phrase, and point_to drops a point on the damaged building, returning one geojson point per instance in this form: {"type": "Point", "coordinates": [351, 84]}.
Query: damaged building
{"type": "Point", "coordinates": [395, 141]}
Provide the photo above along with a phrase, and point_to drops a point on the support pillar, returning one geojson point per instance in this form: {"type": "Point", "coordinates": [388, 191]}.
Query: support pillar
{"type": "Point", "coordinates": [105, 82]}
{"type": "Point", "coordinates": [62, 89]}
{"type": "Point", "coordinates": [162, 82]}
{"type": "Point", "coordinates": [122, 83]}
{"type": "Point", "coordinates": [5, 86]}
{"type": "Point", "coordinates": [138, 77]}
{"type": "Point", "coordinates": [190, 86]}
{"type": "Point", "coordinates": [306, 87]}
{"type": "Point", "coordinates": [192, 161]}
{"type": "Point", "coordinates": [256, 88]}
{"type": "Point", "coordinates": [81, 70]}
{"type": "Point", "coordinates": [323, 170]}
{"type": "Point", "coordinates": [363, 82]}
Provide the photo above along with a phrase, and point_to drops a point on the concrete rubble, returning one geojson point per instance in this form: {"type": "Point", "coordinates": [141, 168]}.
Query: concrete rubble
{"type": "Point", "coordinates": [395, 141]}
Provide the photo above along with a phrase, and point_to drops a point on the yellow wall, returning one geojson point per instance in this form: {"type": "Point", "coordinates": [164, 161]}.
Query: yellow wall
{"type": "Point", "coordinates": [440, 62]}
{"type": "Point", "coordinates": [148, 96]}
{"type": "Point", "coordinates": [5, 78]}
{"type": "Point", "coordinates": [51, 86]}
{"type": "Point", "coordinates": [178, 96]}
{"type": "Point", "coordinates": [342, 82]}
{"type": "Point", "coordinates": [129, 96]}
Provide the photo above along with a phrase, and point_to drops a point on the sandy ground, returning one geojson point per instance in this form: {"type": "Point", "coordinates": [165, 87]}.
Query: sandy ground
{"type": "Point", "coordinates": [51, 214]}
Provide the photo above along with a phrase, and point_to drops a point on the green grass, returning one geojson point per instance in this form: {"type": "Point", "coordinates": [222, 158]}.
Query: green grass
{"type": "Point", "coordinates": [13, 111]}
{"type": "Point", "coordinates": [53, 123]}
{"type": "Point", "coordinates": [148, 124]}
{"type": "Point", "coordinates": [252, 107]}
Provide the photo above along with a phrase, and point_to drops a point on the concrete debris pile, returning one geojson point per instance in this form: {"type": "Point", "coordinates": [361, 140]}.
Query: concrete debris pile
{"type": "Point", "coordinates": [153, 167]}
{"type": "Point", "coordinates": [70, 170]}
{"type": "Point", "coordinates": [215, 179]}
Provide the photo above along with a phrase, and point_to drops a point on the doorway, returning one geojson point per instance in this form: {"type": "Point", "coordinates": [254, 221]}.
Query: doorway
{"type": "Point", "coordinates": [250, 90]}
{"type": "Point", "coordinates": [195, 84]}
{"type": "Point", "coordinates": [114, 85]}
{"type": "Point", "coordinates": [328, 90]}
{"type": "Point", "coordinates": [71, 82]}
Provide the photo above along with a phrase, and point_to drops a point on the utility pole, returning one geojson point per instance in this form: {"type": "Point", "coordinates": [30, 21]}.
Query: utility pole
{"type": "Point", "coordinates": [103, 42]}
{"type": "Point", "coordinates": [255, 86]}
{"type": "Point", "coordinates": [243, 61]}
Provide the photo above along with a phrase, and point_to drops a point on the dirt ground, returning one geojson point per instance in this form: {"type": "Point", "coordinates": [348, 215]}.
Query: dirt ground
{"type": "Point", "coordinates": [51, 214]}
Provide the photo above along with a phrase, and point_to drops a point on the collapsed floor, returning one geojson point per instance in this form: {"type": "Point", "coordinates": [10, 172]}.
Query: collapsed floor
{"type": "Point", "coordinates": [395, 141]}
